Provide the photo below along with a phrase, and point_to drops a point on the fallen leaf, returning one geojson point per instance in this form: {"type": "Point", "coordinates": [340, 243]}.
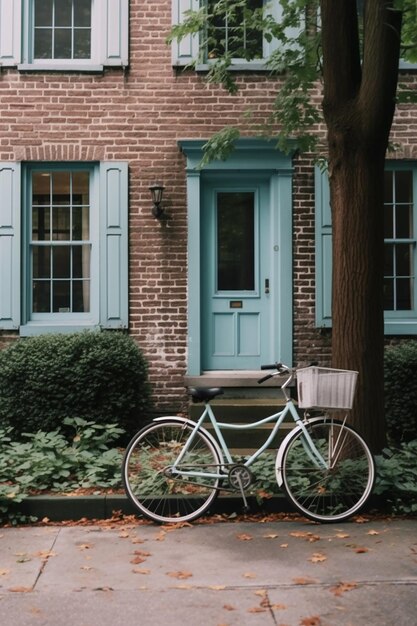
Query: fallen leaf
{"type": "Point", "coordinates": [217, 587]}
{"type": "Point", "coordinates": [284, 545]}
{"type": "Point", "coordinates": [249, 575]}
{"type": "Point", "coordinates": [20, 589]}
{"type": "Point", "coordinates": [372, 532]}
{"type": "Point", "coordinates": [180, 575]}
{"type": "Point", "coordinates": [160, 536]}
{"type": "Point", "coordinates": [87, 568]}
{"type": "Point", "coordinates": [124, 535]}
{"type": "Point", "coordinates": [318, 558]}
{"type": "Point", "coordinates": [44, 554]}
{"type": "Point", "coordinates": [342, 535]}
{"type": "Point", "coordinates": [244, 537]}
{"type": "Point", "coordinates": [138, 570]}
{"type": "Point", "coordinates": [4, 572]}
{"type": "Point", "coordinates": [341, 588]}
{"type": "Point", "coordinates": [257, 609]}
{"type": "Point", "coordinates": [311, 621]}
{"type": "Point", "coordinates": [85, 546]}
{"type": "Point", "coordinates": [229, 607]}
{"type": "Point", "coordinates": [103, 589]}
{"type": "Point", "coordinates": [137, 560]}
{"type": "Point", "coordinates": [271, 536]}
{"type": "Point", "coordinates": [361, 550]}
{"type": "Point", "coordinates": [142, 553]}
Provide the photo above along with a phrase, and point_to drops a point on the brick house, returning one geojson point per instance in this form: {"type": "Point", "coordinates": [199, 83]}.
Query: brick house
{"type": "Point", "coordinates": [96, 107]}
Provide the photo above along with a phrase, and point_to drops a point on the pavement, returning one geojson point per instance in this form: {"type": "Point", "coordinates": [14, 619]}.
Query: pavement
{"type": "Point", "coordinates": [267, 572]}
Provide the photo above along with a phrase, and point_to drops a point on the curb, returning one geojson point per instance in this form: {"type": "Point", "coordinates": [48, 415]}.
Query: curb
{"type": "Point", "coordinates": [65, 508]}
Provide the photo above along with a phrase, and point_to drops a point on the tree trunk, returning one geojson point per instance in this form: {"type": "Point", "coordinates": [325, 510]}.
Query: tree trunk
{"type": "Point", "coordinates": [358, 105]}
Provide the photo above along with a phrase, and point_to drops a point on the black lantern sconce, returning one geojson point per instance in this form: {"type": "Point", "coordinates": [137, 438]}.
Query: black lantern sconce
{"type": "Point", "coordinates": [157, 191]}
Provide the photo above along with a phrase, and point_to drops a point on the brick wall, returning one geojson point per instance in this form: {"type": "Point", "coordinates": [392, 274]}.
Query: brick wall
{"type": "Point", "coordinates": [138, 115]}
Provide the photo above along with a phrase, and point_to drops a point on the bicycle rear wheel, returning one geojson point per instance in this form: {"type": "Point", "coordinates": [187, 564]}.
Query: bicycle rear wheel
{"type": "Point", "coordinates": [155, 490]}
{"type": "Point", "coordinates": [335, 492]}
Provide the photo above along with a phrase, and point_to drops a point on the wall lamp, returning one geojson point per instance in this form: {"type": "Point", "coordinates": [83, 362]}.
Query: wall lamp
{"type": "Point", "coordinates": [157, 191]}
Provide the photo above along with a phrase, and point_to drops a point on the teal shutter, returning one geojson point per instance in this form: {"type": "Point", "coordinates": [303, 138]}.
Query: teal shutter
{"type": "Point", "coordinates": [10, 32]}
{"type": "Point", "coordinates": [115, 32]}
{"type": "Point", "coordinates": [114, 245]}
{"type": "Point", "coordinates": [186, 50]}
{"type": "Point", "coordinates": [10, 245]}
{"type": "Point", "coordinates": [323, 250]}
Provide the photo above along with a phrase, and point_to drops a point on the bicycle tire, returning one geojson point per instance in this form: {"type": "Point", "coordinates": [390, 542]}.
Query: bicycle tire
{"type": "Point", "coordinates": [158, 496]}
{"type": "Point", "coordinates": [326, 495]}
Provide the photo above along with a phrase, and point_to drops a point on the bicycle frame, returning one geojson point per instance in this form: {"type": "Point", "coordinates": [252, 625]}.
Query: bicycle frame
{"type": "Point", "coordinates": [279, 417]}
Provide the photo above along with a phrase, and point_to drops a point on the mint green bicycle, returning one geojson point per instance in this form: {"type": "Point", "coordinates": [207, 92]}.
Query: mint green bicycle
{"type": "Point", "coordinates": [174, 468]}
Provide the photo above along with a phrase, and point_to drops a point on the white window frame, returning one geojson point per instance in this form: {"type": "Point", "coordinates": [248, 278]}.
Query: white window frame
{"type": "Point", "coordinates": [109, 38]}
{"type": "Point", "coordinates": [188, 49]}
{"type": "Point", "coordinates": [92, 316]}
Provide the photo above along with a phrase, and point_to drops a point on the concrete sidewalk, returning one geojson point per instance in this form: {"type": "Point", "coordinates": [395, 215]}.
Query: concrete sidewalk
{"type": "Point", "coordinates": [224, 574]}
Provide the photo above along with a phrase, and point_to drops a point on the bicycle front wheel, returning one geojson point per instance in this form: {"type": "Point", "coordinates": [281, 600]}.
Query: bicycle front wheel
{"type": "Point", "coordinates": [336, 489]}
{"type": "Point", "coordinates": [157, 489]}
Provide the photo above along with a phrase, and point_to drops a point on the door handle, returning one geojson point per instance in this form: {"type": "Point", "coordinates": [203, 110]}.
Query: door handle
{"type": "Point", "coordinates": [266, 285]}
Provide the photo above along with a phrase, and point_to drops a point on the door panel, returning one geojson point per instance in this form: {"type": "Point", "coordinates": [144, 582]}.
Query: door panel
{"type": "Point", "coordinates": [235, 270]}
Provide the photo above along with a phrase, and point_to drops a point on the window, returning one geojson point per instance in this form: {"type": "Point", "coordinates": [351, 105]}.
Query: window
{"type": "Point", "coordinates": [65, 267]}
{"type": "Point", "coordinates": [400, 241]}
{"type": "Point", "coordinates": [400, 258]}
{"type": "Point", "coordinates": [62, 29]}
{"type": "Point", "coordinates": [230, 33]}
{"type": "Point", "coordinates": [64, 34]}
{"type": "Point", "coordinates": [61, 236]}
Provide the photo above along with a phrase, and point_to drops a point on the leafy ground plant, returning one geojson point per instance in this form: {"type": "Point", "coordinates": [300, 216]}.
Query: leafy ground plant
{"type": "Point", "coordinates": [48, 461]}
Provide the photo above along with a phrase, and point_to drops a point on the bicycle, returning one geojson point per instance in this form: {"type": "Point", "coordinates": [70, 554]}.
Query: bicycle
{"type": "Point", "coordinates": [174, 468]}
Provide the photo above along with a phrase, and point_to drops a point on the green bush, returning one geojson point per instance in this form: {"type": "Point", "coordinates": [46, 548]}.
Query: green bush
{"type": "Point", "coordinates": [98, 376]}
{"type": "Point", "coordinates": [397, 478]}
{"type": "Point", "coordinates": [47, 461]}
{"type": "Point", "coordinates": [400, 382]}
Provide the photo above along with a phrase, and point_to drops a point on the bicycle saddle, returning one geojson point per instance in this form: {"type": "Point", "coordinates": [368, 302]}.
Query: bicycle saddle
{"type": "Point", "coordinates": [205, 394]}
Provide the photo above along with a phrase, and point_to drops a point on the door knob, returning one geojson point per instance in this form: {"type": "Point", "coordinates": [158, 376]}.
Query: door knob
{"type": "Point", "coordinates": [266, 285]}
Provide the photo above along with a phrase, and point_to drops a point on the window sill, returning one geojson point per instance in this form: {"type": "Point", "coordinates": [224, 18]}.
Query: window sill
{"type": "Point", "coordinates": [33, 328]}
{"type": "Point", "coordinates": [243, 66]}
{"type": "Point", "coordinates": [64, 67]}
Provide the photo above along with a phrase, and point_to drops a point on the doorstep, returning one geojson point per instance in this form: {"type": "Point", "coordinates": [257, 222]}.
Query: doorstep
{"type": "Point", "coordinates": [73, 508]}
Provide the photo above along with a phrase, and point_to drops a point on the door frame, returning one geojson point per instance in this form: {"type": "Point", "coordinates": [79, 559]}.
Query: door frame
{"type": "Point", "coordinates": [256, 156]}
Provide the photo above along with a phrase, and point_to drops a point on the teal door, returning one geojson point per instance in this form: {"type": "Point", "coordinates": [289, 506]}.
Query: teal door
{"type": "Point", "coordinates": [236, 281]}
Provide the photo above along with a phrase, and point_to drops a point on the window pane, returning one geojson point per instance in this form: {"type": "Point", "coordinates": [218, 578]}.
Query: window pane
{"type": "Point", "coordinates": [41, 295]}
{"type": "Point", "coordinates": [61, 262]}
{"type": "Point", "coordinates": [403, 222]}
{"type": "Point", "coordinates": [235, 242]}
{"type": "Point", "coordinates": [81, 296]}
{"type": "Point", "coordinates": [43, 44]}
{"type": "Point", "coordinates": [41, 262]}
{"type": "Point", "coordinates": [81, 187]}
{"type": "Point", "coordinates": [61, 298]}
{"type": "Point", "coordinates": [61, 188]}
{"type": "Point", "coordinates": [82, 13]}
{"type": "Point", "coordinates": [63, 13]}
{"type": "Point", "coordinates": [80, 224]}
{"type": "Point", "coordinates": [81, 262]}
{"type": "Point", "coordinates": [404, 294]}
{"type": "Point", "coordinates": [403, 187]}
{"type": "Point", "coordinates": [403, 260]}
{"type": "Point", "coordinates": [61, 223]}
{"type": "Point", "coordinates": [63, 43]}
{"type": "Point", "coordinates": [82, 44]}
{"type": "Point", "coordinates": [43, 12]}
{"type": "Point", "coordinates": [41, 223]}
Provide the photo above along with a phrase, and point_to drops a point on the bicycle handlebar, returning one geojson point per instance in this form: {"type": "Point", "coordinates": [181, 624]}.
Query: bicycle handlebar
{"type": "Point", "coordinates": [280, 368]}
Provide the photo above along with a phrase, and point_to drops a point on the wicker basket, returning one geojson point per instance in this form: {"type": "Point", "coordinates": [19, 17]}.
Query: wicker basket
{"type": "Point", "coordinates": [323, 387]}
